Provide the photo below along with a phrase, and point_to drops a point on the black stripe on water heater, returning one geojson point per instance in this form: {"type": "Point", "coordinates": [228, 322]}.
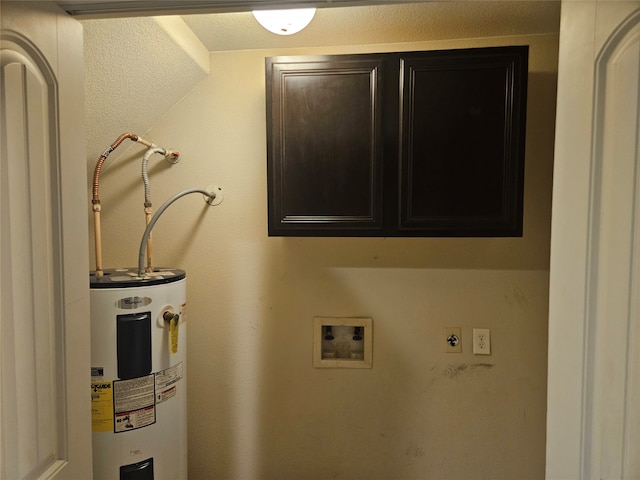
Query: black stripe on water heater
{"type": "Point", "coordinates": [121, 278]}
{"type": "Point", "coordinates": [134, 345]}
{"type": "Point", "coordinates": [137, 471]}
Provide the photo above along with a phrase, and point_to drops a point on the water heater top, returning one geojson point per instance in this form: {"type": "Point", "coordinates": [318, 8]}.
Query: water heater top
{"type": "Point", "coordinates": [128, 277]}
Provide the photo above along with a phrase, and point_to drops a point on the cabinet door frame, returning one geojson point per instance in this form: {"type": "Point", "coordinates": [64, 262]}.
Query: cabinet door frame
{"type": "Point", "coordinates": [309, 193]}
{"type": "Point", "coordinates": [484, 135]}
{"type": "Point", "coordinates": [351, 209]}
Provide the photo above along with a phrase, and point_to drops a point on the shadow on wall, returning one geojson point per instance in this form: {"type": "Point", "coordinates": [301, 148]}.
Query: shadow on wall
{"type": "Point", "coordinates": [419, 413]}
{"type": "Point", "coordinates": [257, 407]}
{"type": "Point", "coordinates": [418, 408]}
{"type": "Point", "coordinates": [530, 252]}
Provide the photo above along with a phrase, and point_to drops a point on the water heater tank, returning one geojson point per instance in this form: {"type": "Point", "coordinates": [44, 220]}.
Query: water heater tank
{"type": "Point", "coordinates": [139, 375]}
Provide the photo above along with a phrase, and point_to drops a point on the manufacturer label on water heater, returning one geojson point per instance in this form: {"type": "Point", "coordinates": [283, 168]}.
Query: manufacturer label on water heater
{"type": "Point", "coordinates": [131, 303]}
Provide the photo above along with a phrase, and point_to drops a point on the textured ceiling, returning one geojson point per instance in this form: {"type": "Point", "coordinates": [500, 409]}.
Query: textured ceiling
{"type": "Point", "coordinates": [138, 68]}
{"type": "Point", "coordinates": [403, 22]}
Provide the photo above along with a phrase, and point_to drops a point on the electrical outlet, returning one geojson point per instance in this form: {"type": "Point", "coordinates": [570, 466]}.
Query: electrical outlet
{"type": "Point", "coordinates": [452, 340]}
{"type": "Point", "coordinates": [481, 341]}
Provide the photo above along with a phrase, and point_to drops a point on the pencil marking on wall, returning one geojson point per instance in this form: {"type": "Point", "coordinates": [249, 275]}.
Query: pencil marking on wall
{"type": "Point", "coordinates": [482, 365]}
{"type": "Point", "coordinates": [414, 451]}
{"type": "Point", "coordinates": [517, 297]}
{"type": "Point", "coordinates": [453, 371]}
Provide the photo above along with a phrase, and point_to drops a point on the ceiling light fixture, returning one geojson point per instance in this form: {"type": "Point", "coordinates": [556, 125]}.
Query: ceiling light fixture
{"type": "Point", "coordinates": [285, 22]}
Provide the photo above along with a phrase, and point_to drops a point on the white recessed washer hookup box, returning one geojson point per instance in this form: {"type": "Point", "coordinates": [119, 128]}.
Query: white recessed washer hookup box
{"type": "Point", "coordinates": [342, 342]}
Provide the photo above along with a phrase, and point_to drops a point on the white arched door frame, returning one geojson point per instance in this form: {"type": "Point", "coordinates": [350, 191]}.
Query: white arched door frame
{"type": "Point", "coordinates": [594, 317]}
{"type": "Point", "coordinates": [45, 418]}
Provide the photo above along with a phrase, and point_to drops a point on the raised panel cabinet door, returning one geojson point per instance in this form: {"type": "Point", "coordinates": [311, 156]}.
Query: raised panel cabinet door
{"type": "Point", "coordinates": [397, 144]}
{"type": "Point", "coordinates": [324, 157]}
{"type": "Point", "coordinates": [462, 142]}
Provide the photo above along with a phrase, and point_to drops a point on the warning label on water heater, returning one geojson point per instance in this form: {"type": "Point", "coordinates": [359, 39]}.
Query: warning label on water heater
{"type": "Point", "coordinates": [134, 403]}
{"type": "Point", "coordinates": [166, 380]}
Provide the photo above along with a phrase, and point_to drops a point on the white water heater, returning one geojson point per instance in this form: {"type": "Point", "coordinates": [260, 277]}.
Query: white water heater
{"type": "Point", "coordinates": [138, 375]}
{"type": "Point", "coordinates": [139, 350]}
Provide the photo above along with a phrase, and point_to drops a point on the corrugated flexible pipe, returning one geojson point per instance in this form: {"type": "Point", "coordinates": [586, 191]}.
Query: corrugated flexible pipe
{"type": "Point", "coordinates": [170, 156]}
{"type": "Point", "coordinates": [95, 198]}
{"type": "Point", "coordinates": [141, 253]}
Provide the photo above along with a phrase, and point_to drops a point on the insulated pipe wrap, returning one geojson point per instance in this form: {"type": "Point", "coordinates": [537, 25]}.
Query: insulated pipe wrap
{"type": "Point", "coordinates": [145, 175]}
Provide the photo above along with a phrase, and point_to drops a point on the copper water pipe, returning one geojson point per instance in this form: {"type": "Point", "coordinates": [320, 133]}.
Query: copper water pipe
{"type": "Point", "coordinates": [95, 199]}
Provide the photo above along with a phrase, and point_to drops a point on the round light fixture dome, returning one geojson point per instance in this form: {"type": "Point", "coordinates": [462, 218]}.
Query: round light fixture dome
{"type": "Point", "coordinates": [285, 22]}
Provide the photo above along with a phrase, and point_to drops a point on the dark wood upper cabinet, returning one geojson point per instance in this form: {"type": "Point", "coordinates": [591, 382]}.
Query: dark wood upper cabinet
{"type": "Point", "coordinates": [398, 144]}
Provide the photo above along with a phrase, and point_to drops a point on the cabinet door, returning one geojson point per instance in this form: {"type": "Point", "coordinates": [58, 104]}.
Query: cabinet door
{"type": "Point", "coordinates": [462, 142]}
{"type": "Point", "coordinates": [397, 144]}
{"type": "Point", "coordinates": [324, 145]}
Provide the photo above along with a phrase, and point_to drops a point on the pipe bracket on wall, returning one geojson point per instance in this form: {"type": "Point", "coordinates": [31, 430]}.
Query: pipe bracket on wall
{"type": "Point", "coordinates": [172, 156]}
{"type": "Point", "coordinates": [219, 196]}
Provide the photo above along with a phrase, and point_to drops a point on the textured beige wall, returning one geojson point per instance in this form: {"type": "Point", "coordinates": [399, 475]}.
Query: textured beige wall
{"type": "Point", "coordinates": [257, 407]}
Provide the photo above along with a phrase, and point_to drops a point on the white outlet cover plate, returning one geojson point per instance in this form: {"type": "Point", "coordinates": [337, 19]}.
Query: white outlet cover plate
{"type": "Point", "coordinates": [481, 341]}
